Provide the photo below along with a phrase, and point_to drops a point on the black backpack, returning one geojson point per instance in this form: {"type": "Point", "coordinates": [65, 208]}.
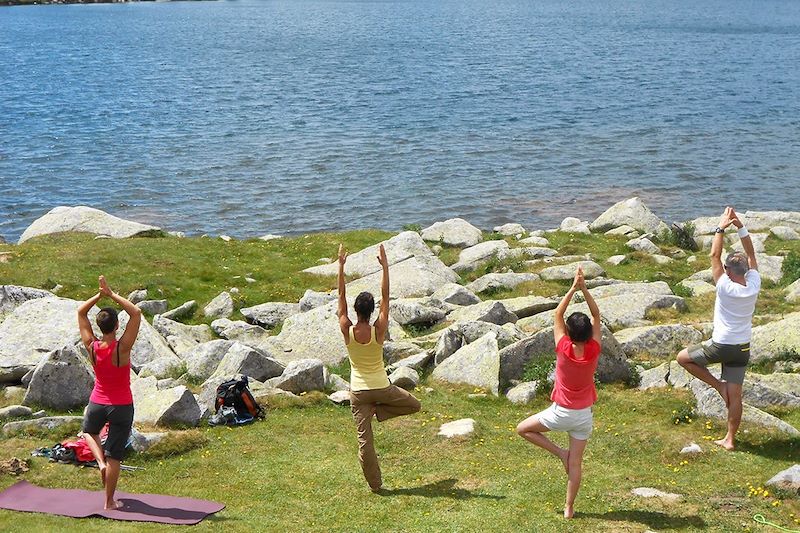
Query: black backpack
{"type": "Point", "coordinates": [234, 393]}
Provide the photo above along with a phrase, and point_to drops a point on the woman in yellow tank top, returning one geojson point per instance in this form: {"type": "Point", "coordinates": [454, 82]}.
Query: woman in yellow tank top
{"type": "Point", "coordinates": [370, 390]}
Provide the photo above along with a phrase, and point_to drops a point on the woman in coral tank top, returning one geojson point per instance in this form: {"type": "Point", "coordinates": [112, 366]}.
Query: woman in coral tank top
{"type": "Point", "coordinates": [577, 351]}
{"type": "Point", "coordinates": [111, 400]}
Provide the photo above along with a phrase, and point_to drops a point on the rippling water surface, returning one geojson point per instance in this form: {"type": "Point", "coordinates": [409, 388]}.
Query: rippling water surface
{"type": "Point", "coordinates": [247, 117]}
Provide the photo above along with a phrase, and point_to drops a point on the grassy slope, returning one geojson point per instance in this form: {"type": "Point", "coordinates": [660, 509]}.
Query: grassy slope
{"type": "Point", "coordinates": [298, 469]}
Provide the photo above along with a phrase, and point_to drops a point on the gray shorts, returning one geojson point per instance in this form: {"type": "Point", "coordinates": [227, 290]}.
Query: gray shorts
{"type": "Point", "coordinates": [734, 358]}
{"type": "Point", "coordinates": [577, 422]}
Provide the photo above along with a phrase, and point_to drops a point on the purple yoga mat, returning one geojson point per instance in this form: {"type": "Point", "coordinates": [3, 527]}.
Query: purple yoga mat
{"type": "Point", "coordinates": [77, 503]}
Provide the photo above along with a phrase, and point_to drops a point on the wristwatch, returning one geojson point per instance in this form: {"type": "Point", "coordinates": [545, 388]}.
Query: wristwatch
{"type": "Point", "coordinates": [719, 230]}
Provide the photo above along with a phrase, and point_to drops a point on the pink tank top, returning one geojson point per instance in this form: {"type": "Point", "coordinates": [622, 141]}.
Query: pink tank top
{"type": "Point", "coordinates": [112, 384]}
{"type": "Point", "coordinates": [574, 385]}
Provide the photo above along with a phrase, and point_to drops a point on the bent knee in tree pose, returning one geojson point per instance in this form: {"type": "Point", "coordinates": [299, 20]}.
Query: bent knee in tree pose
{"type": "Point", "coordinates": [577, 341]}
{"type": "Point", "coordinates": [371, 393]}
{"type": "Point", "coordinates": [111, 400]}
{"type": "Point", "coordinates": [738, 284]}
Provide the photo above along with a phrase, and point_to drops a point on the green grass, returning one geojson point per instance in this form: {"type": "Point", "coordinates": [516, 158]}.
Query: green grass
{"type": "Point", "coordinates": [298, 471]}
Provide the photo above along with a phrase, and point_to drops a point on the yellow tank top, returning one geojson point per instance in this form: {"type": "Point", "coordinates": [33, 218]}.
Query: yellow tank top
{"type": "Point", "coordinates": [366, 364]}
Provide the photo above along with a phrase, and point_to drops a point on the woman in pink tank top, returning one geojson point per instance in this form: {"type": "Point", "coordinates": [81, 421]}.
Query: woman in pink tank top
{"type": "Point", "coordinates": [577, 342]}
{"type": "Point", "coordinates": [111, 400]}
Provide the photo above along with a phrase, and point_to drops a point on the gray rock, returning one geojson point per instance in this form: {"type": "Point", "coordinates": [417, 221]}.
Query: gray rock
{"type": "Point", "coordinates": [15, 411]}
{"type": "Point", "coordinates": [248, 334]}
{"type": "Point", "coordinates": [162, 367]}
{"type": "Point", "coordinates": [12, 296]}
{"type": "Point", "coordinates": [661, 259]}
{"type": "Point", "coordinates": [39, 414]}
{"type": "Point", "coordinates": [760, 394]}
{"type": "Point", "coordinates": [363, 263]}
{"type": "Point", "coordinates": [167, 383]}
{"type": "Point", "coordinates": [793, 292]}
{"type": "Point", "coordinates": [48, 423]}
{"type": "Point", "coordinates": [396, 350]}
{"type": "Point", "coordinates": [313, 299]}
{"type": "Point", "coordinates": [449, 343]}
{"type": "Point", "coordinates": [624, 231]}
{"type": "Point", "coordinates": [476, 364]}
{"type": "Point", "coordinates": [137, 296]}
{"type": "Point", "coordinates": [305, 375]}
{"type": "Point", "coordinates": [616, 260]}
{"type": "Point", "coordinates": [247, 361]}
{"type": "Point", "coordinates": [788, 479]}
{"type": "Point", "coordinates": [535, 241]}
{"type": "Point", "coordinates": [785, 233]}
{"type": "Point", "coordinates": [525, 306]}
{"type": "Point", "coordinates": [149, 345]}
{"type": "Point", "coordinates": [86, 220]}
{"type": "Point", "coordinates": [678, 377]}
{"type": "Point", "coordinates": [654, 378]}
{"type": "Point", "coordinates": [416, 311]}
{"type": "Point", "coordinates": [698, 287]}
{"type": "Point", "coordinates": [455, 294]}
{"type": "Point", "coordinates": [11, 392]}
{"type": "Point", "coordinates": [457, 428]}
{"type": "Point", "coordinates": [405, 377]}
{"type": "Point", "coordinates": [495, 281]}
{"type": "Point", "coordinates": [204, 359]}
{"type": "Point", "coordinates": [785, 383]}
{"type": "Point", "coordinates": [220, 307]}
{"type": "Point", "coordinates": [510, 230]}
{"type": "Point", "coordinates": [664, 340]}
{"type": "Point", "coordinates": [710, 404]}
{"type": "Point", "coordinates": [625, 288]}
{"type": "Point", "coordinates": [529, 252]}
{"type": "Point", "coordinates": [341, 397]}
{"type": "Point", "coordinates": [523, 393]}
{"type": "Point", "coordinates": [336, 383]}
{"type": "Point", "coordinates": [153, 307]}
{"type": "Point", "coordinates": [470, 258]}
{"type": "Point", "coordinates": [269, 315]}
{"type": "Point", "coordinates": [631, 212]}
{"type": "Point", "coordinates": [169, 407]}
{"type": "Point", "coordinates": [691, 449]}
{"type": "Point", "coordinates": [417, 361]}
{"type": "Point", "coordinates": [62, 380]}
{"type": "Point", "coordinates": [182, 312]}
{"type": "Point", "coordinates": [770, 267]}
{"type": "Point", "coordinates": [649, 492]}
{"type": "Point", "coordinates": [141, 442]}
{"type": "Point", "coordinates": [574, 225]}
{"type": "Point", "coordinates": [453, 232]}
{"type": "Point", "coordinates": [768, 341]}
{"type": "Point", "coordinates": [643, 244]}
{"type": "Point", "coordinates": [490, 311]}
{"type": "Point", "coordinates": [567, 272]}
{"type": "Point", "coordinates": [412, 277]}
{"type": "Point", "coordinates": [180, 337]}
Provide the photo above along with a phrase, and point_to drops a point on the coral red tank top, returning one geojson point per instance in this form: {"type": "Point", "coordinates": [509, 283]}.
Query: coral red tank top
{"type": "Point", "coordinates": [574, 385]}
{"type": "Point", "coordinates": [112, 384]}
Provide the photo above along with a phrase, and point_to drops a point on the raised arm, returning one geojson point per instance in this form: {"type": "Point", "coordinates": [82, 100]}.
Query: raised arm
{"type": "Point", "coordinates": [559, 326]}
{"type": "Point", "coordinates": [134, 320]}
{"type": "Point", "coordinates": [382, 324]}
{"type": "Point", "coordinates": [597, 330]}
{"type": "Point", "coordinates": [344, 320]}
{"type": "Point", "coordinates": [747, 241]}
{"type": "Point", "coordinates": [716, 245]}
{"type": "Point", "coordinates": [85, 326]}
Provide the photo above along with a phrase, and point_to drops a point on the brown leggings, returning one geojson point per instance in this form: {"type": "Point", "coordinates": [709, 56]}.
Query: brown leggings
{"type": "Point", "coordinates": [385, 404]}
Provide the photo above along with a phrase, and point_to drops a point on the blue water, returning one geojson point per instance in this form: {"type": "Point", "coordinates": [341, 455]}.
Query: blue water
{"type": "Point", "coordinates": [248, 117]}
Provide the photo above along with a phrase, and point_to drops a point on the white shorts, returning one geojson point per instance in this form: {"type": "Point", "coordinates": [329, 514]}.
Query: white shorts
{"type": "Point", "coordinates": [576, 422]}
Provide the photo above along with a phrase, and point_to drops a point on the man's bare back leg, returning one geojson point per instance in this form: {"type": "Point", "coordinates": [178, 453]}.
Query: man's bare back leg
{"type": "Point", "coordinates": [734, 392]}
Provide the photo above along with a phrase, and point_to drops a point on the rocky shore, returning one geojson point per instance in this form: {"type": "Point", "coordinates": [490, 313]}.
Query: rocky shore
{"type": "Point", "coordinates": [470, 336]}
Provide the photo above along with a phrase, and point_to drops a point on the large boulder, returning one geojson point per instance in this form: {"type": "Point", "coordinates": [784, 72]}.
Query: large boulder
{"type": "Point", "coordinates": [453, 232]}
{"type": "Point", "coordinates": [510, 230]}
{"type": "Point", "coordinates": [788, 479]}
{"type": "Point", "coordinates": [412, 277]}
{"type": "Point", "coordinates": [475, 364]}
{"type": "Point", "coordinates": [149, 345]}
{"type": "Point", "coordinates": [470, 258]}
{"type": "Point", "coordinates": [166, 407]}
{"type": "Point", "coordinates": [416, 311]}
{"type": "Point", "coordinates": [698, 287]}
{"type": "Point", "coordinates": [204, 359]}
{"type": "Point", "coordinates": [47, 423]}
{"type": "Point", "coordinates": [770, 340]}
{"type": "Point", "coordinates": [404, 377]}
{"type": "Point", "coordinates": [654, 378]}
{"type": "Point", "coordinates": [779, 381]}
{"type": "Point", "coordinates": [305, 375]}
{"type": "Point", "coordinates": [611, 367]}
{"type": "Point", "coordinates": [86, 220]}
{"type": "Point", "coordinates": [455, 294]}
{"type": "Point", "coordinates": [220, 307]}
{"type": "Point", "coordinates": [12, 296]}
{"type": "Point", "coordinates": [793, 292]}
{"type": "Point", "coordinates": [463, 333]}
{"type": "Point", "coordinates": [180, 337]}
{"type": "Point", "coordinates": [632, 212]}
{"type": "Point", "coordinates": [497, 281]}
{"type": "Point", "coordinates": [489, 311]}
{"type": "Point", "coordinates": [785, 233]}
{"type": "Point", "coordinates": [643, 244]}
{"type": "Point", "coordinates": [567, 272]}
{"type": "Point", "coordinates": [313, 299]}
{"type": "Point", "coordinates": [524, 393]}
{"type": "Point", "coordinates": [163, 367]}
{"type": "Point", "coordinates": [269, 315]}
{"type": "Point", "coordinates": [239, 330]}
{"type": "Point", "coordinates": [398, 248]}
{"type": "Point", "coordinates": [62, 380]}
{"type": "Point", "coordinates": [247, 361]}
{"type": "Point", "coordinates": [182, 312]}
{"type": "Point", "coordinates": [664, 340]}
{"type": "Point", "coordinates": [618, 289]}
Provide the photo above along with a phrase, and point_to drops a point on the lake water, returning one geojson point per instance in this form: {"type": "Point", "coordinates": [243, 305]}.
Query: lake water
{"type": "Point", "coordinates": [251, 117]}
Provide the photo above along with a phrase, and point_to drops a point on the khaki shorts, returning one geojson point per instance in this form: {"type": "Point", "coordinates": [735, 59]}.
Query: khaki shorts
{"type": "Point", "coordinates": [734, 358]}
{"type": "Point", "coordinates": [577, 422]}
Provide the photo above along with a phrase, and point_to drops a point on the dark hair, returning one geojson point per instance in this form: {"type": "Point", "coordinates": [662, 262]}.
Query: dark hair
{"type": "Point", "coordinates": [365, 305]}
{"type": "Point", "coordinates": [107, 319]}
{"type": "Point", "coordinates": [579, 327]}
{"type": "Point", "coordinates": [736, 263]}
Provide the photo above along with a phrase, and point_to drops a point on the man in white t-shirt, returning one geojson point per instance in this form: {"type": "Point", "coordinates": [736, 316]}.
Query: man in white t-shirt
{"type": "Point", "coordinates": [738, 283]}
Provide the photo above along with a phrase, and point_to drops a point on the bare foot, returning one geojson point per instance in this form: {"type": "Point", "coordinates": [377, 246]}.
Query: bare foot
{"type": "Point", "coordinates": [725, 443]}
{"type": "Point", "coordinates": [564, 456]}
{"type": "Point", "coordinates": [113, 506]}
{"type": "Point", "coordinates": [568, 511]}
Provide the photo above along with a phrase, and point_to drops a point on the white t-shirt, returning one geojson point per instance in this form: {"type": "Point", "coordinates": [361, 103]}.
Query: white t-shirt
{"type": "Point", "coordinates": [733, 310]}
